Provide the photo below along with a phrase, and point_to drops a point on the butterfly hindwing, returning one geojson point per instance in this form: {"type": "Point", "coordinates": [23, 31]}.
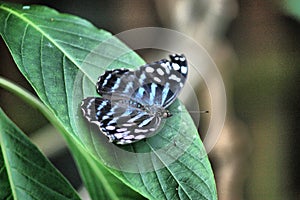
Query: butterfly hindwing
{"type": "Point", "coordinates": [121, 122]}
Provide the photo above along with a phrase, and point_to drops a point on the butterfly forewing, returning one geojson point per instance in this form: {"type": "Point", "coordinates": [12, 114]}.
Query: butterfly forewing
{"type": "Point", "coordinates": [156, 83]}
{"type": "Point", "coordinates": [161, 81]}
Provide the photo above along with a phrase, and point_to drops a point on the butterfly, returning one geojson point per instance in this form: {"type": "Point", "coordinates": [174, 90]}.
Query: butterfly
{"type": "Point", "coordinates": [134, 103]}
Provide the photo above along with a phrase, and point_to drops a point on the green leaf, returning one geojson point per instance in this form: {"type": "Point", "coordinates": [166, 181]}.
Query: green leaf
{"type": "Point", "coordinates": [24, 172]}
{"type": "Point", "coordinates": [62, 56]}
{"type": "Point", "coordinates": [5, 191]}
{"type": "Point", "coordinates": [92, 169]}
{"type": "Point", "coordinates": [93, 174]}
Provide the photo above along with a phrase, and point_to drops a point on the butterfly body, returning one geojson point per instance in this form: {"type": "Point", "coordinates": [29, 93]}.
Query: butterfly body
{"type": "Point", "coordinates": [134, 103]}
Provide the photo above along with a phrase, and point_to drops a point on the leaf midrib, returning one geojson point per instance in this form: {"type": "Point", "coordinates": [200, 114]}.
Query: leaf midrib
{"type": "Point", "coordinates": [171, 172]}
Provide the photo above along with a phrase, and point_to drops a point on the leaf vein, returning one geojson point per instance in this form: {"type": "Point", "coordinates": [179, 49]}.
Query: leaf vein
{"type": "Point", "coordinates": [5, 22]}
{"type": "Point", "coordinates": [166, 167]}
{"type": "Point", "coordinates": [158, 177]}
{"type": "Point", "coordinates": [92, 51]}
{"type": "Point", "coordinates": [140, 173]}
{"type": "Point", "coordinates": [38, 183]}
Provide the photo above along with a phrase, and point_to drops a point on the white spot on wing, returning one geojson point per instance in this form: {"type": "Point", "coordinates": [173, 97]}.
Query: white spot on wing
{"type": "Point", "coordinates": [165, 66]}
{"type": "Point", "coordinates": [105, 117]}
{"type": "Point", "coordinates": [175, 78]}
{"type": "Point", "coordinates": [127, 141]}
{"type": "Point", "coordinates": [183, 69]}
{"type": "Point", "coordinates": [126, 132]}
{"type": "Point", "coordinates": [110, 128]}
{"type": "Point", "coordinates": [129, 137]}
{"type": "Point", "coordinates": [160, 71]}
{"type": "Point", "coordinates": [149, 69]}
{"type": "Point", "coordinates": [121, 129]}
{"type": "Point", "coordinates": [182, 58]}
{"type": "Point", "coordinates": [129, 124]}
{"type": "Point", "coordinates": [118, 135]}
{"type": "Point", "coordinates": [138, 137]}
{"type": "Point", "coordinates": [157, 79]}
{"type": "Point", "coordinates": [141, 130]}
{"type": "Point", "coordinates": [175, 66]}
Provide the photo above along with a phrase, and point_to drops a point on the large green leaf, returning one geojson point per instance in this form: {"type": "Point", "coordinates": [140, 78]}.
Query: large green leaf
{"type": "Point", "coordinates": [24, 172]}
{"type": "Point", "coordinates": [62, 56]}
{"type": "Point", "coordinates": [92, 173]}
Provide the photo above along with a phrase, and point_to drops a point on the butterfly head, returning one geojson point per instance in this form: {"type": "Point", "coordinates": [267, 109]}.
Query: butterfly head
{"type": "Point", "coordinates": [158, 111]}
{"type": "Point", "coordinates": [166, 114]}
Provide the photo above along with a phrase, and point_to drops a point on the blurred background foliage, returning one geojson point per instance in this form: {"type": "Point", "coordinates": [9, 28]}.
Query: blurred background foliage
{"type": "Point", "coordinates": [254, 43]}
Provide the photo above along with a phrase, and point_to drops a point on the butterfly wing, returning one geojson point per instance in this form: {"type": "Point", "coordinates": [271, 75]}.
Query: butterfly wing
{"type": "Point", "coordinates": [121, 121]}
{"type": "Point", "coordinates": [157, 83]}
{"type": "Point", "coordinates": [162, 80]}
{"type": "Point", "coordinates": [113, 81]}
{"type": "Point", "coordinates": [120, 114]}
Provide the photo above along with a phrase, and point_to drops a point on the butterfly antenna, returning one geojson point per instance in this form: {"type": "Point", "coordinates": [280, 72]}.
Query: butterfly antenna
{"type": "Point", "coordinates": [204, 111]}
{"type": "Point", "coordinates": [201, 111]}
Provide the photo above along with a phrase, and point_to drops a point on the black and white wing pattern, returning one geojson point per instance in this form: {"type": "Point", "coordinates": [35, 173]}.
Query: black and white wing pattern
{"type": "Point", "coordinates": [133, 103]}
{"type": "Point", "coordinates": [121, 122]}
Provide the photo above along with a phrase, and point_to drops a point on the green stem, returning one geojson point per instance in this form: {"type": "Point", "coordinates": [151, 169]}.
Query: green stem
{"type": "Point", "coordinates": [28, 98]}
{"type": "Point", "coordinates": [32, 101]}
